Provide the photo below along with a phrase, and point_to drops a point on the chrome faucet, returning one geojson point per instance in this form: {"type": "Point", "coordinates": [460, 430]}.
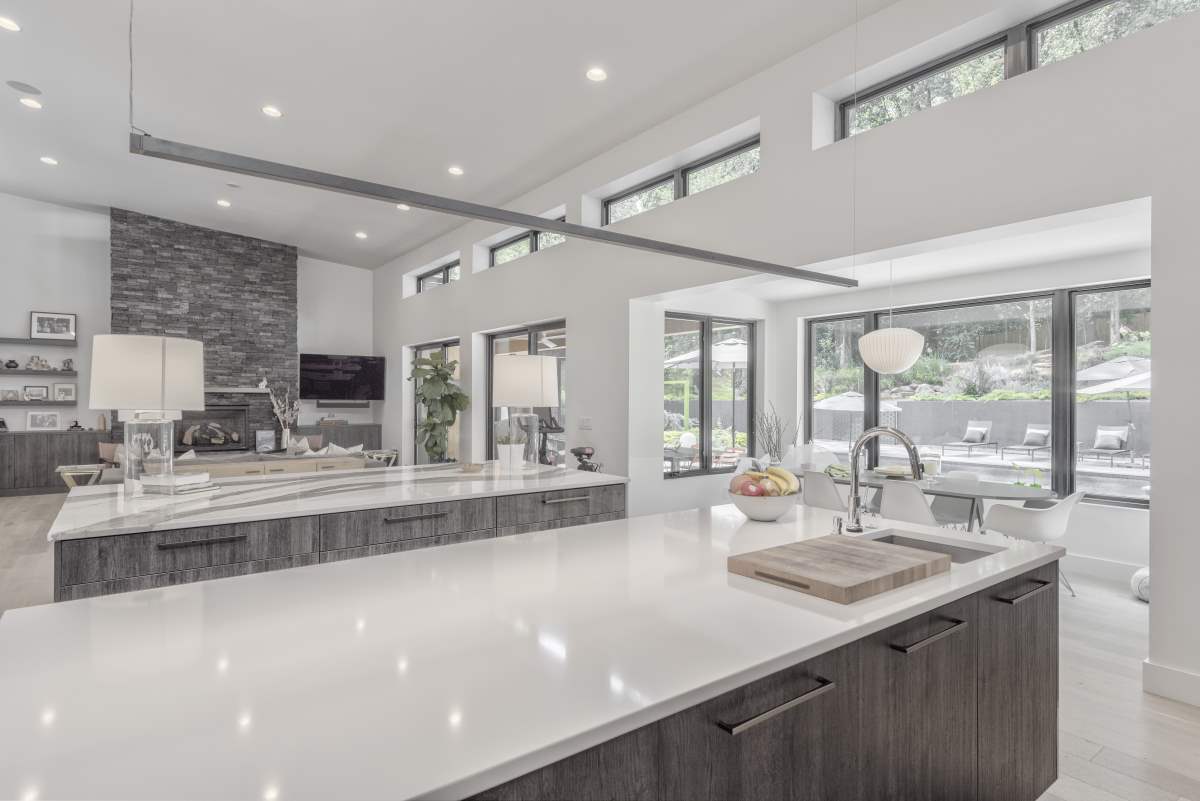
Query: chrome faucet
{"type": "Point", "coordinates": [854, 502]}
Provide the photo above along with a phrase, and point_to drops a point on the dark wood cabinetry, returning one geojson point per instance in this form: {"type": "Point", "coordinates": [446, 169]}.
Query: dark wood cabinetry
{"type": "Point", "coordinates": [29, 459]}
{"type": "Point", "coordinates": [955, 704]}
{"type": "Point", "coordinates": [93, 566]}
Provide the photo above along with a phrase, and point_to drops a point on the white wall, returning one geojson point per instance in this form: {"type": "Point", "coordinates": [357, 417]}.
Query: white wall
{"type": "Point", "coordinates": [334, 315]}
{"type": "Point", "coordinates": [56, 260]}
{"type": "Point", "coordinates": [1103, 127]}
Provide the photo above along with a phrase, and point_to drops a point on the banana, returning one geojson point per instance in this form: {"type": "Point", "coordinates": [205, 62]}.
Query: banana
{"type": "Point", "coordinates": [786, 479]}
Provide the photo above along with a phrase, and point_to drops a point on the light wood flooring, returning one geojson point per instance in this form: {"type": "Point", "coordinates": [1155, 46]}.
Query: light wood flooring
{"type": "Point", "coordinates": [1116, 743]}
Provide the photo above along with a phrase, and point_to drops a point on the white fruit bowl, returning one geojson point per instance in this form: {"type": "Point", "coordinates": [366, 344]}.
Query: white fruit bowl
{"type": "Point", "coordinates": [764, 508]}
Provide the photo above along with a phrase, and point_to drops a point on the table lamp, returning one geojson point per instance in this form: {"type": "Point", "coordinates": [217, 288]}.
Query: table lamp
{"type": "Point", "coordinates": [521, 381]}
{"type": "Point", "coordinates": [150, 381]}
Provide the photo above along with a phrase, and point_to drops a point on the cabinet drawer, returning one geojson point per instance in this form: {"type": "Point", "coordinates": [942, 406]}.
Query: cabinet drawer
{"type": "Point", "coordinates": [288, 466]}
{"type": "Point", "coordinates": [377, 526]}
{"type": "Point", "coordinates": [159, 580]}
{"type": "Point", "coordinates": [508, 531]}
{"type": "Point", "coordinates": [127, 555]}
{"type": "Point", "coordinates": [231, 470]}
{"type": "Point", "coordinates": [542, 507]}
{"type": "Point", "coordinates": [406, 545]}
{"type": "Point", "coordinates": [347, 463]}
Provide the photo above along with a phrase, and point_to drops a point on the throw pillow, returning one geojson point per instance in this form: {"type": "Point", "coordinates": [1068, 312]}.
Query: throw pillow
{"type": "Point", "coordinates": [354, 449]}
{"type": "Point", "coordinates": [974, 435]}
{"type": "Point", "coordinates": [336, 450]}
{"type": "Point", "coordinates": [186, 456]}
{"type": "Point", "coordinates": [300, 445]}
{"type": "Point", "coordinates": [1108, 442]}
{"type": "Point", "coordinates": [322, 452]}
{"type": "Point", "coordinates": [1035, 438]}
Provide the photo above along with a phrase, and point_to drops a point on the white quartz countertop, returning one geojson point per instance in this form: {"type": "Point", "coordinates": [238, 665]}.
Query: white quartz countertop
{"type": "Point", "coordinates": [103, 510]}
{"type": "Point", "coordinates": [428, 674]}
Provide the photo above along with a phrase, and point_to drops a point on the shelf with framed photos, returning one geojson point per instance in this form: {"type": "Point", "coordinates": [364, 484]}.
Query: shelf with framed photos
{"type": "Point", "coordinates": [54, 343]}
{"type": "Point", "coordinates": [38, 403]}
{"type": "Point", "coordinates": [57, 373]}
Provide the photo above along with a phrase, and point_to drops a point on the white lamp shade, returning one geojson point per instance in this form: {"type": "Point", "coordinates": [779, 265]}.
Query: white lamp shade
{"type": "Point", "coordinates": [147, 373]}
{"type": "Point", "coordinates": [521, 380]}
{"type": "Point", "coordinates": [891, 350]}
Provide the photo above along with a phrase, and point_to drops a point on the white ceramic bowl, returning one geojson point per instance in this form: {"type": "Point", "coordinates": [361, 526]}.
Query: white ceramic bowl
{"type": "Point", "coordinates": [765, 508]}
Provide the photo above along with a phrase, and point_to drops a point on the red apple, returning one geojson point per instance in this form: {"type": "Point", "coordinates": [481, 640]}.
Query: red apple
{"type": "Point", "coordinates": [752, 490]}
{"type": "Point", "coordinates": [739, 482]}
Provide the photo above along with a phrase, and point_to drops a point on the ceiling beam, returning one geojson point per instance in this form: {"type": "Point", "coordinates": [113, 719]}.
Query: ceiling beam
{"type": "Point", "coordinates": [144, 145]}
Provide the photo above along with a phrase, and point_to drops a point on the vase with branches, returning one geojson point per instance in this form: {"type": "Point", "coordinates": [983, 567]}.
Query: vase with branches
{"type": "Point", "coordinates": [286, 410]}
{"type": "Point", "coordinates": [442, 400]}
{"type": "Point", "coordinates": [774, 434]}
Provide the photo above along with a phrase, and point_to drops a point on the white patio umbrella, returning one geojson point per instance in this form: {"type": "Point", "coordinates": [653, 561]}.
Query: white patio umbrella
{"type": "Point", "coordinates": [1113, 369]}
{"type": "Point", "coordinates": [851, 402]}
{"type": "Point", "coordinates": [730, 353]}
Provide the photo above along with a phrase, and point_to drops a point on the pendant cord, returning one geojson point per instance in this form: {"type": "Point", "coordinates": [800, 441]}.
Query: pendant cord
{"type": "Point", "coordinates": [133, 127]}
{"type": "Point", "coordinates": [891, 293]}
{"type": "Point", "coordinates": [854, 151]}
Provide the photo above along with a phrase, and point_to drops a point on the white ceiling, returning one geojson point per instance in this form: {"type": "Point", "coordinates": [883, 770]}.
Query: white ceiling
{"type": "Point", "coordinates": [390, 91]}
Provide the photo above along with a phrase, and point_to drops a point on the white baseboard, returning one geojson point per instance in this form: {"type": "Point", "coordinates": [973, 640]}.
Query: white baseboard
{"type": "Point", "coordinates": [1106, 569]}
{"type": "Point", "coordinates": [1171, 682]}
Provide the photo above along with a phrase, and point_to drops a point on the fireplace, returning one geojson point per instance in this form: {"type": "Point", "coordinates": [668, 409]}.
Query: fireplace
{"type": "Point", "coordinates": [217, 428]}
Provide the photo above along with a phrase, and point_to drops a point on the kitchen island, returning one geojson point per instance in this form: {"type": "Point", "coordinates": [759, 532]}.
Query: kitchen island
{"type": "Point", "coordinates": [106, 543]}
{"type": "Point", "coordinates": [617, 659]}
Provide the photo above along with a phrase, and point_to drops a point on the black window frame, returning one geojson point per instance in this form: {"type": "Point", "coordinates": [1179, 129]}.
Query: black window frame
{"type": "Point", "coordinates": [531, 332]}
{"type": "Point", "coordinates": [443, 345]}
{"type": "Point", "coordinates": [532, 235]}
{"type": "Point", "coordinates": [1062, 377]}
{"type": "Point", "coordinates": [678, 176]}
{"type": "Point", "coordinates": [1020, 56]}
{"type": "Point", "coordinates": [706, 416]}
{"type": "Point", "coordinates": [444, 270]}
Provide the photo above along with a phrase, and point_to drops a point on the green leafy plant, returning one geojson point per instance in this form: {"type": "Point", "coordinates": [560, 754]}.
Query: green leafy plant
{"type": "Point", "coordinates": [442, 400]}
{"type": "Point", "coordinates": [513, 435]}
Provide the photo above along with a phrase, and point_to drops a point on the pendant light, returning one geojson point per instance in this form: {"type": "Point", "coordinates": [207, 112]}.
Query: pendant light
{"type": "Point", "coordinates": [885, 350]}
{"type": "Point", "coordinates": [891, 350]}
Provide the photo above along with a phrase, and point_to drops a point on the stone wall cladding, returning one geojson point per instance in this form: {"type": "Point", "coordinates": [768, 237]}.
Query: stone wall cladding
{"type": "Point", "coordinates": [234, 293]}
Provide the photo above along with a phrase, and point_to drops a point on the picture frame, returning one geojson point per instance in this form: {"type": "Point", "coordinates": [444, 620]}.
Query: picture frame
{"type": "Point", "coordinates": [38, 392]}
{"type": "Point", "coordinates": [43, 421]}
{"type": "Point", "coordinates": [264, 441]}
{"type": "Point", "coordinates": [10, 395]}
{"type": "Point", "coordinates": [67, 391]}
{"type": "Point", "coordinates": [53, 325]}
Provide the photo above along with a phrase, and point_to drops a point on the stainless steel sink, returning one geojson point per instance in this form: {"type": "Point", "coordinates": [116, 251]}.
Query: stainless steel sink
{"type": "Point", "coordinates": [958, 551]}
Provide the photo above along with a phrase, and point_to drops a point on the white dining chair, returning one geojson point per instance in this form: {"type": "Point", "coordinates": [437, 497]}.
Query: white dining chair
{"type": "Point", "coordinates": [820, 491]}
{"type": "Point", "coordinates": [955, 512]}
{"type": "Point", "coordinates": [1037, 525]}
{"type": "Point", "coordinates": [903, 500]}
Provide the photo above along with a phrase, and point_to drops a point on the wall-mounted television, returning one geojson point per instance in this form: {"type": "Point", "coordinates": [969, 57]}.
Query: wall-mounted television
{"type": "Point", "coordinates": [341, 378]}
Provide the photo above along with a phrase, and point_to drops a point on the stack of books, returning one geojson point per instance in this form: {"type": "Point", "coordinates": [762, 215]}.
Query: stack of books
{"type": "Point", "coordinates": [188, 484]}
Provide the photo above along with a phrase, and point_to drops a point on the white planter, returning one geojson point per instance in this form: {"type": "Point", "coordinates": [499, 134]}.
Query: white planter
{"type": "Point", "coordinates": [512, 457]}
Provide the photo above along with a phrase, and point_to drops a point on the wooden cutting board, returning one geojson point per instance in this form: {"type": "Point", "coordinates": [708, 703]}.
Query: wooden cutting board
{"type": "Point", "coordinates": [839, 568]}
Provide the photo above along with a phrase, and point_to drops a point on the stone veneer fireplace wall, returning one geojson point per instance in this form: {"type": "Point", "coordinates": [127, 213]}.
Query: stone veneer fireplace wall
{"type": "Point", "coordinates": [236, 294]}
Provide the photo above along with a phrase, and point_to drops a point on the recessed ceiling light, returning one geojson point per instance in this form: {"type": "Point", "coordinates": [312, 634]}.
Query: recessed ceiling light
{"type": "Point", "coordinates": [402, 206]}
{"type": "Point", "coordinates": [361, 234]}
{"type": "Point", "coordinates": [272, 111]}
{"type": "Point", "coordinates": [223, 203]}
{"type": "Point", "coordinates": [454, 169]}
{"type": "Point", "coordinates": [23, 88]}
{"type": "Point", "coordinates": [29, 102]}
{"type": "Point", "coordinates": [53, 162]}
{"type": "Point", "coordinates": [597, 74]}
{"type": "Point", "coordinates": [9, 25]}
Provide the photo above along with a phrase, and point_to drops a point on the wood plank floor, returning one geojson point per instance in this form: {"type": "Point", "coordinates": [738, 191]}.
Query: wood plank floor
{"type": "Point", "coordinates": [1116, 743]}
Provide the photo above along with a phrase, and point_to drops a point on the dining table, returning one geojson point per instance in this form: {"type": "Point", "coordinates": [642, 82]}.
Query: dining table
{"type": "Point", "coordinates": [974, 491]}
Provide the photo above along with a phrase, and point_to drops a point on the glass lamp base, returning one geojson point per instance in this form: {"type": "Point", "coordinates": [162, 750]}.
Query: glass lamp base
{"type": "Point", "coordinates": [149, 451]}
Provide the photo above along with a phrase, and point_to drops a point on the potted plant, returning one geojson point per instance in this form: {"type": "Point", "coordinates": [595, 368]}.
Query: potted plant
{"type": "Point", "coordinates": [774, 435]}
{"type": "Point", "coordinates": [442, 400]}
{"type": "Point", "coordinates": [510, 447]}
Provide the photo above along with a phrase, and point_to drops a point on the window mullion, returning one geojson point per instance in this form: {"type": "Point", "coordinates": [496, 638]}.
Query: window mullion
{"type": "Point", "coordinates": [1062, 394]}
{"type": "Point", "coordinates": [706, 380]}
{"type": "Point", "coordinates": [870, 396]}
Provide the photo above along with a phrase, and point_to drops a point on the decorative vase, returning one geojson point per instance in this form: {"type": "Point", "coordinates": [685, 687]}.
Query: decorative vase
{"type": "Point", "coordinates": [512, 457]}
{"type": "Point", "coordinates": [286, 440]}
{"type": "Point", "coordinates": [12, 364]}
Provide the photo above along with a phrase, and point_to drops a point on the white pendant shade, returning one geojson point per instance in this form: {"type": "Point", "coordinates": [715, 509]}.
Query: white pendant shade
{"type": "Point", "coordinates": [891, 350]}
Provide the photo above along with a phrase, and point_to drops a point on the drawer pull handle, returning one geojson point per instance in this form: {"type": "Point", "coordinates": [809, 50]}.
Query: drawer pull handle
{"type": "Point", "coordinates": [959, 625]}
{"type": "Point", "coordinates": [275, 470]}
{"type": "Point", "coordinates": [823, 686]}
{"type": "Point", "coordinates": [253, 473]}
{"type": "Point", "coordinates": [1042, 587]}
{"type": "Point", "coordinates": [170, 546]}
{"type": "Point", "coordinates": [430, 516]}
{"type": "Point", "coordinates": [573, 498]}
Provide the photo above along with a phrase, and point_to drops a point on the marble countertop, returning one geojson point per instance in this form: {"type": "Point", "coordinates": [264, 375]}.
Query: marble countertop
{"type": "Point", "coordinates": [428, 674]}
{"type": "Point", "coordinates": [104, 510]}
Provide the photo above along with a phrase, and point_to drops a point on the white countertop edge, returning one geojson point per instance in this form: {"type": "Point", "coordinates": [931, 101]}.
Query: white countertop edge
{"type": "Point", "coordinates": [564, 480]}
{"type": "Point", "coordinates": [505, 772]}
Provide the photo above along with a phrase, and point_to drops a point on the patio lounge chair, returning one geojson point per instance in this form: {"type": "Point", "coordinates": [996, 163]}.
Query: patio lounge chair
{"type": "Point", "coordinates": [1037, 438]}
{"type": "Point", "coordinates": [977, 435]}
{"type": "Point", "coordinates": [1110, 442]}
